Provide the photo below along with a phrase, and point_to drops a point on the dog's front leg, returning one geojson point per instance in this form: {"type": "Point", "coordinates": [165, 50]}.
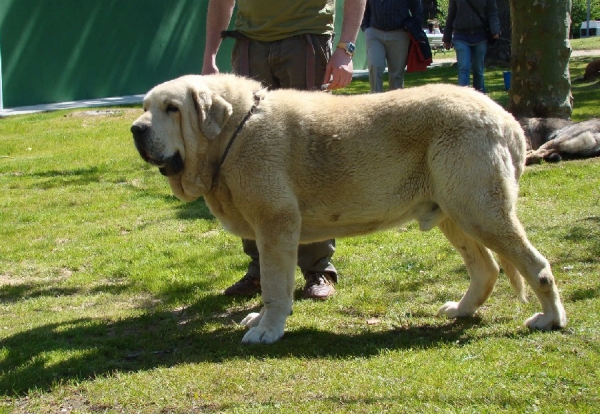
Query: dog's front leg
{"type": "Point", "coordinates": [278, 256]}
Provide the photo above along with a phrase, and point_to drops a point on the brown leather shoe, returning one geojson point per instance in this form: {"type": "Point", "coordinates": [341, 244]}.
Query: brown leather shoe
{"type": "Point", "coordinates": [318, 286]}
{"type": "Point", "coordinates": [246, 286]}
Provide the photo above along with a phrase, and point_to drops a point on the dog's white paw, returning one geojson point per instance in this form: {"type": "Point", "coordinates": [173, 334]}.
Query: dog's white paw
{"type": "Point", "coordinates": [251, 320]}
{"type": "Point", "coordinates": [452, 310]}
{"type": "Point", "coordinates": [260, 335]}
{"type": "Point", "coordinates": [544, 322]}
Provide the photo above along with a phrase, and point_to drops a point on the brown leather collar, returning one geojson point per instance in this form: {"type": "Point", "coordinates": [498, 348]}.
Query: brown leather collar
{"type": "Point", "coordinates": [257, 98]}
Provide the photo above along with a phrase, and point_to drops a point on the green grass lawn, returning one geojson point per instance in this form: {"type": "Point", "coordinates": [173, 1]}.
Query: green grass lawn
{"type": "Point", "coordinates": [111, 294]}
{"type": "Point", "coordinates": [588, 43]}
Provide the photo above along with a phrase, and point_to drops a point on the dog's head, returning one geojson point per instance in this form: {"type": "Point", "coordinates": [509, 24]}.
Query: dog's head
{"type": "Point", "coordinates": [180, 119]}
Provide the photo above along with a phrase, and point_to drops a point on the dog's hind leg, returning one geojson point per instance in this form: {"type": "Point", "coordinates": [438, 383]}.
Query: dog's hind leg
{"type": "Point", "coordinates": [515, 278]}
{"type": "Point", "coordinates": [504, 234]}
{"type": "Point", "coordinates": [484, 209]}
{"type": "Point", "coordinates": [481, 266]}
{"type": "Point", "coordinates": [536, 270]}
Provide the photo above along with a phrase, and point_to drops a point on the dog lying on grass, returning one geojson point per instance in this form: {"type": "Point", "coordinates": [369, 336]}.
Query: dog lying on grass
{"type": "Point", "coordinates": [286, 167]}
{"type": "Point", "coordinates": [592, 70]}
{"type": "Point", "coordinates": [555, 139]}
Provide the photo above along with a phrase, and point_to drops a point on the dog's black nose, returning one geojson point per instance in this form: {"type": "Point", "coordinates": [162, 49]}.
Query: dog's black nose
{"type": "Point", "coordinates": [138, 129]}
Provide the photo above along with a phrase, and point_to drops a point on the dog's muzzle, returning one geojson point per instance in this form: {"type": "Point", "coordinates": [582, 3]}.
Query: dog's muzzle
{"type": "Point", "coordinates": [168, 166]}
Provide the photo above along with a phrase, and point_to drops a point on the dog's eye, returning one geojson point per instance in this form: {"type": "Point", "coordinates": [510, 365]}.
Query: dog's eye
{"type": "Point", "coordinates": [172, 108]}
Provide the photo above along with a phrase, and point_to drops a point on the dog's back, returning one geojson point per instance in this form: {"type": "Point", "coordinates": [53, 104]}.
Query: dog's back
{"type": "Point", "coordinates": [373, 161]}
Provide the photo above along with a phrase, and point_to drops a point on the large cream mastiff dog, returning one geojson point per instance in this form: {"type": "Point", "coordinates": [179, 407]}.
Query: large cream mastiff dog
{"type": "Point", "coordinates": [286, 167]}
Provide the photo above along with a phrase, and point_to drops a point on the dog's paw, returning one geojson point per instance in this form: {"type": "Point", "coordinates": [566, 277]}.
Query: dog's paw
{"type": "Point", "coordinates": [544, 322]}
{"type": "Point", "coordinates": [251, 320]}
{"type": "Point", "coordinates": [452, 310]}
{"type": "Point", "coordinates": [260, 335]}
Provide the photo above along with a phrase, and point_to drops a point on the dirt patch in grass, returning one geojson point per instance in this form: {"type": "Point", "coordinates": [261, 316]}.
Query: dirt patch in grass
{"type": "Point", "coordinates": [96, 113]}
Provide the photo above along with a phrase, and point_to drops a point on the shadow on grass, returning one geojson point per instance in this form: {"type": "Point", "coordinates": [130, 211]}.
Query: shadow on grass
{"type": "Point", "coordinates": [11, 293]}
{"type": "Point", "coordinates": [56, 353]}
{"type": "Point", "coordinates": [584, 294]}
{"type": "Point", "coordinates": [585, 235]}
{"type": "Point", "coordinates": [14, 293]}
{"type": "Point", "coordinates": [60, 178]}
{"type": "Point", "coordinates": [194, 210]}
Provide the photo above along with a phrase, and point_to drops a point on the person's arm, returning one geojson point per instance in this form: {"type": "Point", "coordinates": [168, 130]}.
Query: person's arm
{"type": "Point", "coordinates": [217, 19]}
{"type": "Point", "coordinates": [339, 69]}
{"type": "Point", "coordinates": [493, 19]}
{"type": "Point", "coordinates": [416, 11]}
{"type": "Point", "coordinates": [447, 38]}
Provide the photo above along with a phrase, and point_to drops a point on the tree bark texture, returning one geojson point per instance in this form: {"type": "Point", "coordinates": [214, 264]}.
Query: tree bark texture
{"type": "Point", "coordinates": [540, 84]}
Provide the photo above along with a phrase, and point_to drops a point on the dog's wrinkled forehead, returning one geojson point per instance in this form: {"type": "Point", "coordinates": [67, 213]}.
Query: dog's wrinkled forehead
{"type": "Point", "coordinates": [164, 95]}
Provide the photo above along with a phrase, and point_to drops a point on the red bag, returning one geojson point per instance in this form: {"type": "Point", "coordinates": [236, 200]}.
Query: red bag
{"type": "Point", "coordinates": [415, 61]}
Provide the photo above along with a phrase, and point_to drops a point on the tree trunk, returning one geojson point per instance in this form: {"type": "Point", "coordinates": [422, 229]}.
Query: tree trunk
{"type": "Point", "coordinates": [540, 84]}
{"type": "Point", "coordinates": [499, 54]}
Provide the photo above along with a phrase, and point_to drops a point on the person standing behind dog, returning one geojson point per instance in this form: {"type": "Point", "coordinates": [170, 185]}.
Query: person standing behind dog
{"type": "Point", "coordinates": [287, 44]}
{"type": "Point", "coordinates": [384, 24]}
{"type": "Point", "coordinates": [466, 29]}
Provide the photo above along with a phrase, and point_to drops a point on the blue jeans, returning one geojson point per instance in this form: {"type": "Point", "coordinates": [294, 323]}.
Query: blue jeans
{"type": "Point", "coordinates": [471, 57]}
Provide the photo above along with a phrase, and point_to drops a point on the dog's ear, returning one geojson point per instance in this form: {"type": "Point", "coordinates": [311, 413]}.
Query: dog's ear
{"type": "Point", "coordinates": [213, 113]}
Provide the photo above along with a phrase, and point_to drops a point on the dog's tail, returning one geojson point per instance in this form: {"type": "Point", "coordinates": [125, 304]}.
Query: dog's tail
{"type": "Point", "coordinates": [515, 279]}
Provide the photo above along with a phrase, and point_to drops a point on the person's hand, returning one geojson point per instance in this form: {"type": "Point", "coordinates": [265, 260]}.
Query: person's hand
{"type": "Point", "coordinates": [209, 68]}
{"type": "Point", "coordinates": [447, 45]}
{"type": "Point", "coordinates": [338, 72]}
{"type": "Point", "coordinates": [496, 36]}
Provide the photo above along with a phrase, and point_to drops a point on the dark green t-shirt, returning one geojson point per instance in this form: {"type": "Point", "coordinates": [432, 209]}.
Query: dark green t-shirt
{"type": "Point", "coordinates": [270, 20]}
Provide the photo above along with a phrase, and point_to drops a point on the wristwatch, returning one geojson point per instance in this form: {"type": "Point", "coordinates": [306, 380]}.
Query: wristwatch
{"type": "Point", "coordinates": [347, 47]}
